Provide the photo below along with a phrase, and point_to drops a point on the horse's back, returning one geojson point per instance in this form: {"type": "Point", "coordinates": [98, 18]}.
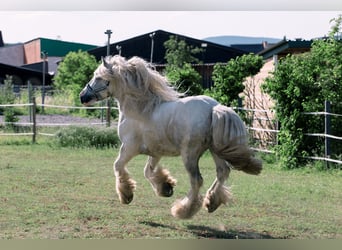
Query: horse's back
{"type": "Point", "coordinates": [192, 112]}
{"type": "Point", "coordinates": [185, 122]}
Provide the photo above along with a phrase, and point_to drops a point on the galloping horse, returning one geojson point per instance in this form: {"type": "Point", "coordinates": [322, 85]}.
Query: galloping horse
{"type": "Point", "coordinates": [157, 121]}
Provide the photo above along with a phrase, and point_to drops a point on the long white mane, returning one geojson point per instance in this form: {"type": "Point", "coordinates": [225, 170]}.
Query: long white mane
{"type": "Point", "coordinates": [143, 87]}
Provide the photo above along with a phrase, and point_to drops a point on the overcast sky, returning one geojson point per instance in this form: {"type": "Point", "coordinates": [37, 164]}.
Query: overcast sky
{"type": "Point", "coordinates": [89, 26]}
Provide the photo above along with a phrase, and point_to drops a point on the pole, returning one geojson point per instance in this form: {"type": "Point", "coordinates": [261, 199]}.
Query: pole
{"type": "Point", "coordinates": [108, 112]}
{"type": "Point", "coordinates": [44, 56]}
{"type": "Point", "coordinates": [34, 127]}
{"type": "Point", "coordinates": [152, 46]}
{"type": "Point", "coordinates": [108, 33]}
{"type": "Point", "coordinates": [327, 131]}
{"type": "Point", "coordinates": [29, 92]}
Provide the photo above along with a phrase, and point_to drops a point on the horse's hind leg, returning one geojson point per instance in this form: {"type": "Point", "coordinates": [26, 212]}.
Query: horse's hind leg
{"type": "Point", "coordinates": [161, 180]}
{"type": "Point", "coordinates": [124, 184]}
{"type": "Point", "coordinates": [192, 203]}
{"type": "Point", "coordinates": [218, 193]}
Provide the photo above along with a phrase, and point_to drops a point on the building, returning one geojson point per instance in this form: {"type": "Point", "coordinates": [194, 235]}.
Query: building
{"type": "Point", "coordinates": [286, 47]}
{"type": "Point", "coordinates": [260, 102]}
{"type": "Point", "coordinates": [271, 55]}
{"type": "Point", "coordinates": [150, 46]}
{"type": "Point", "coordinates": [27, 61]}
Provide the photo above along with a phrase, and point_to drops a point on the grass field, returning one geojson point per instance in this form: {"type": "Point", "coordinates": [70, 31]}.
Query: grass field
{"type": "Point", "coordinates": [59, 193]}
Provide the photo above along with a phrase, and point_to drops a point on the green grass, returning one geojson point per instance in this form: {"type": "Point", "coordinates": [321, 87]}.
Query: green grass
{"type": "Point", "coordinates": [59, 193]}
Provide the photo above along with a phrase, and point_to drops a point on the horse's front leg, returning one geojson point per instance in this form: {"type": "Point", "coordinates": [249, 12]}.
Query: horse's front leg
{"type": "Point", "coordinates": [161, 180]}
{"type": "Point", "coordinates": [125, 186]}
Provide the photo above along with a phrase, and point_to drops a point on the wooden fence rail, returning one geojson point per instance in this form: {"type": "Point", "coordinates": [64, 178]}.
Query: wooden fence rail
{"type": "Point", "coordinates": [33, 115]}
{"type": "Point", "coordinates": [326, 135]}
{"type": "Point", "coordinates": [33, 106]}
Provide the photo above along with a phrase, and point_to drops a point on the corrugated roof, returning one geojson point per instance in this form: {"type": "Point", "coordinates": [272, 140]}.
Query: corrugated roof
{"type": "Point", "coordinates": [141, 46]}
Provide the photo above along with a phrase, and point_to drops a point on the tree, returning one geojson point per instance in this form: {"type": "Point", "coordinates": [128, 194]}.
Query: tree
{"type": "Point", "coordinates": [228, 79]}
{"type": "Point", "coordinates": [74, 72]}
{"type": "Point", "coordinates": [179, 56]}
{"type": "Point", "coordinates": [7, 97]}
{"type": "Point", "coordinates": [301, 83]}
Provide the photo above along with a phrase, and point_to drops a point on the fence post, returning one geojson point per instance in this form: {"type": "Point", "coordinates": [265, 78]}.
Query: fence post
{"type": "Point", "coordinates": [34, 127]}
{"type": "Point", "coordinates": [102, 112]}
{"type": "Point", "coordinates": [327, 130]}
{"type": "Point", "coordinates": [29, 92]}
{"type": "Point", "coordinates": [108, 112]}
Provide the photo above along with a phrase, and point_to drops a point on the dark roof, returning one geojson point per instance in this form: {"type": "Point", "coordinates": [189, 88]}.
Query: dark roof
{"type": "Point", "coordinates": [24, 73]}
{"type": "Point", "coordinates": [141, 46]}
{"type": "Point", "coordinates": [51, 64]}
{"type": "Point", "coordinates": [12, 54]}
{"type": "Point", "coordinates": [250, 48]}
{"type": "Point", "coordinates": [2, 44]}
{"type": "Point", "coordinates": [285, 47]}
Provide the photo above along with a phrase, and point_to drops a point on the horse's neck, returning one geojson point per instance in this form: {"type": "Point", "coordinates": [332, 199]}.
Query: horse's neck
{"type": "Point", "coordinates": [138, 110]}
{"type": "Point", "coordinates": [132, 112]}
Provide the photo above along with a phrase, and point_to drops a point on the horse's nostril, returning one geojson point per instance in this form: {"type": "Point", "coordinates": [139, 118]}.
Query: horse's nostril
{"type": "Point", "coordinates": [85, 98]}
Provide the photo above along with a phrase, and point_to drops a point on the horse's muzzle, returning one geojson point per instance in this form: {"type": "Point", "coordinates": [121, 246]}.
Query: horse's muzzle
{"type": "Point", "coordinates": [86, 97]}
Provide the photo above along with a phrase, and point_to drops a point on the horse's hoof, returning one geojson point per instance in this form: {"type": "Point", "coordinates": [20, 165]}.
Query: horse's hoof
{"type": "Point", "coordinates": [126, 199]}
{"type": "Point", "coordinates": [211, 209]}
{"type": "Point", "coordinates": [209, 205]}
{"type": "Point", "coordinates": [167, 190]}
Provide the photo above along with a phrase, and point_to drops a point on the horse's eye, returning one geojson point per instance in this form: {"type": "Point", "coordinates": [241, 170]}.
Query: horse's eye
{"type": "Point", "coordinates": [107, 83]}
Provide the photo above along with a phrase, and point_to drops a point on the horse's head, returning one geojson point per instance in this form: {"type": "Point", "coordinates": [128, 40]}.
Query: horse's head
{"type": "Point", "coordinates": [97, 88]}
{"type": "Point", "coordinates": [133, 80]}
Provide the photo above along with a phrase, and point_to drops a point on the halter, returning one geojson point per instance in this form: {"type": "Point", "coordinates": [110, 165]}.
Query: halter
{"type": "Point", "coordinates": [95, 91]}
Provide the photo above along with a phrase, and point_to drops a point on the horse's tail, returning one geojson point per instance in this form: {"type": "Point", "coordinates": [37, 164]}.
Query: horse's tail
{"type": "Point", "coordinates": [230, 140]}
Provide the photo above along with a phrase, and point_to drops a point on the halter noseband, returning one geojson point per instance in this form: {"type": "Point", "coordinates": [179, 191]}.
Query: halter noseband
{"type": "Point", "coordinates": [95, 91]}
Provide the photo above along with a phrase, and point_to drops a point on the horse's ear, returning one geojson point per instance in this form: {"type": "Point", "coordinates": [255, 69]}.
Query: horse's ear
{"type": "Point", "coordinates": [106, 64]}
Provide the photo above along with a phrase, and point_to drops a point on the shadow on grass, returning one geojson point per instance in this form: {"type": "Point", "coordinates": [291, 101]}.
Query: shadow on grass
{"type": "Point", "coordinates": [212, 233]}
{"type": "Point", "coordinates": [154, 224]}
{"type": "Point", "coordinates": [208, 232]}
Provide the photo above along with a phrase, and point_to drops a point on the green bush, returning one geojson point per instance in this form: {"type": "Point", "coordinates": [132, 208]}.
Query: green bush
{"type": "Point", "coordinates": [74, 72]}
{"type": "Point", "coordinates": [228, 79]}
{"type": "Point", "coordinates": [179, 56]}
{"type": "Point", "coordinates": [6, 93]}
{"type": "Point", "coordinates": [302, 83]}
{"type": "Point", "coordinates": [10, 117]}
{"type": "Point", "coordinates": [84, 137]}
